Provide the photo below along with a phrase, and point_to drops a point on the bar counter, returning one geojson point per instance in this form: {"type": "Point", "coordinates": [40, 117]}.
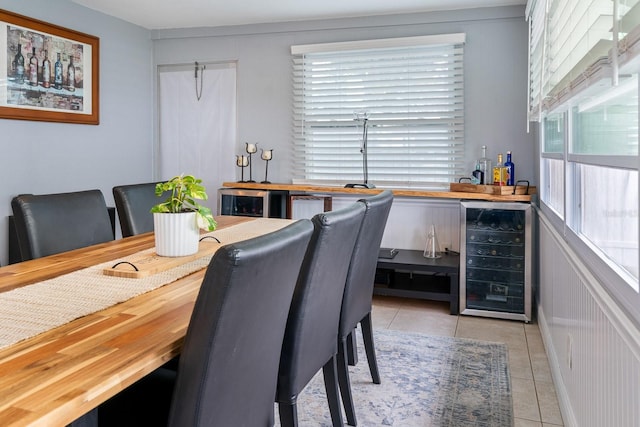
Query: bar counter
{"type": "Point", "coordinates": [298, 188]}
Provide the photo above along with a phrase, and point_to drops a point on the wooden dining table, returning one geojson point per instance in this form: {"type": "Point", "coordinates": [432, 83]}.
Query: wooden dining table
{"type": "Point", "coordinates": [58, 376]}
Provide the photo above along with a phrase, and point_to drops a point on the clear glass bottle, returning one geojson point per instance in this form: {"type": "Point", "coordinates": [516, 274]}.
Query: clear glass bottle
{"type": "Point", "coordinates": [57, 79]}
{"type": "Point", "coordinates": [33, 68]}
{"type": "Point", "coordinates": [511, 170]}
{"type": "Point", "coordinates": [71, 75]}
{"type": "Point", "coordinates": [46, 70]}
{"type": "Point", "coordinates": [485, 167]}
{"type": "Point", "coordinates": [19, 61]}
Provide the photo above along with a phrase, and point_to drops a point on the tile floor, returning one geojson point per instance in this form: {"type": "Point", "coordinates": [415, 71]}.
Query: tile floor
{"type": "Point", "coordinates": [534, 398]}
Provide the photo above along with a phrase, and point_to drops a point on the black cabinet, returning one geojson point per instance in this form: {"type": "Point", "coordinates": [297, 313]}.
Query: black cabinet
{"type": "Point", "coordinates": [409, 274]}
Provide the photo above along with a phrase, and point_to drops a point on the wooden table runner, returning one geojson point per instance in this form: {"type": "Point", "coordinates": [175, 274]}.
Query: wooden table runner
{"type": "Point", "coordinates": [147, 263]}
{"type": "Point", "coordinates": [33, 309]}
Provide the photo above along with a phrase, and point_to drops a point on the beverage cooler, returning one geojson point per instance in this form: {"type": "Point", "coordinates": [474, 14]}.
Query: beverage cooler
{"type": "Point", "coordinates": [255, 203]}
{"type": "Point", "coordinates": [495, 260]}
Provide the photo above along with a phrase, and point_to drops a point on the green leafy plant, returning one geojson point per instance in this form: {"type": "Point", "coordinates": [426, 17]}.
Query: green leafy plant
{"type": "Point", "coordinates": [184, 191]}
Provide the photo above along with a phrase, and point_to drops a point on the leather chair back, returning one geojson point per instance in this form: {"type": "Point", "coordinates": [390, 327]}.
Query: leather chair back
{"type": "Point", "coordinates": [133, 203]}
{"type": "Point", "coordinates": [356, 302]}
{"type": "Point", "coordinates": [51, 223]}
{"type": "Point", "coordinates": [229, 364]}
{"type": "Point", "coordinates": [311, 336]}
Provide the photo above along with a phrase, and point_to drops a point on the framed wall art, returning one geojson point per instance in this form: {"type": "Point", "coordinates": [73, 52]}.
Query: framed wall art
{"type": "Point", "coordinates": [47, 73]}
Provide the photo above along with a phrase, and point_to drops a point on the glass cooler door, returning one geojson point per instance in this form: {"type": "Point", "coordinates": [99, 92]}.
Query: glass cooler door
{"type": "Point", "coordinates": [495, 258]}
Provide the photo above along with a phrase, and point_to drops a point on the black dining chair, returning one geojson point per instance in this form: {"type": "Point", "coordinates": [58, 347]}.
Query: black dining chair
{"type": "Point", "coordinates": [310, 342]}
{"type": "Point", "coordinates": [47, 224]}
{"type": "Point", "coordinates": [358, 291]}
{"type": "Point", "coordinates": [134, 203]}
{"type": "Point", "coordinates": [228, 368]}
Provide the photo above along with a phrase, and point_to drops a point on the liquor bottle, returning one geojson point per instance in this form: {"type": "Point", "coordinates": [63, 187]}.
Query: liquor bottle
{"type": "Point", "coordinates": [46, 70]}
{"type": "Point", "coordinates": [477, 176]}
{"type": "Point", "coordinates": [496, 170]}
{"type": "Point", "coordinates": [57, 78]}
{"type": "Point", "coordinates": [499, 172]}
{"type": "Point", "coordinates": [511, 170]}
{"type": "Point", "coordinates": [71, 74]}
{"type": "Point", "coordinates": [485, 167]}
{"type": "Point", "coordinates": [19, 60]}
{"type": "Point", "coordinates": [33, 68]}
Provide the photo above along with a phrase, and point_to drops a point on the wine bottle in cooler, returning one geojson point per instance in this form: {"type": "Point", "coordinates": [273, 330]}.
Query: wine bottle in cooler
{"type": "Point", "coordinates": [19, 61]}
{"type": "Point", "coordinates": [511, 170]}
{"type": "Point", "coordinates": [71, 74]}
{"type": "Point", "coordinates": [33, 68]}
{"type": "Point", "coordinates": [57, 77]}
{"type": "Point", "coordinates": [46, 70]}
{"type": "Point", "coordinates": [485, 167]}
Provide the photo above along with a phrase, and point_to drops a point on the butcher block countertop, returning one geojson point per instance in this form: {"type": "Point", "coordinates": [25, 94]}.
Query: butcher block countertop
{"type": "Point", "coordinates": [474, 193]}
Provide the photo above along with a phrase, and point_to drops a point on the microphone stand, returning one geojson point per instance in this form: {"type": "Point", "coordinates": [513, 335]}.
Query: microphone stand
{"type": "Point", "coordinates": [365, 164]}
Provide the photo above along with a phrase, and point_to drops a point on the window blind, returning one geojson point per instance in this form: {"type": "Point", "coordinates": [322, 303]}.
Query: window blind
{"type": "Point", "coordinates": [584, 60]}
{"type": "Point", "coordinates": [537, 42]}
{"type": "Point", "coordinates": [410, 89]}
{"type": "Point", "coordinates": [575, 45]}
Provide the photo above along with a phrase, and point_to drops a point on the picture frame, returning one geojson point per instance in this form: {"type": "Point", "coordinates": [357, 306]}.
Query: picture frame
{"type": "Point", "coordinates": [47, 73]}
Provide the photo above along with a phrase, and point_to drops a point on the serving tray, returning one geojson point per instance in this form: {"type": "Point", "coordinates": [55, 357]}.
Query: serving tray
{"type": "Point", "coordinates": [497, 190]}
{"type": "Point", "coordinates": [147, 263]}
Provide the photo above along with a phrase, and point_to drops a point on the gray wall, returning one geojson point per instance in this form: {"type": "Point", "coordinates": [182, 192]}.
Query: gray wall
{"type": "Point", "coordinates": [41, 157]}
{"type": "Point", "coordinates": [495, 74]}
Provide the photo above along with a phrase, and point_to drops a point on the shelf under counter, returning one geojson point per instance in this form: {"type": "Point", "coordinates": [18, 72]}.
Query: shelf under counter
{"type": "Point", "coordinates": [397, 192]}
{"type": "Point", "coordinates": [410, 275]}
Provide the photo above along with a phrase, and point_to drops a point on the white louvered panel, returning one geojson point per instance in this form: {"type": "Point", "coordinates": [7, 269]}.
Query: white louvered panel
{"type": "Point", "coordinates": [410, 220]}
{"type": "Point", "coordinates": [594, 349]}
{"type": "Point", "coordinates": [306, 208]}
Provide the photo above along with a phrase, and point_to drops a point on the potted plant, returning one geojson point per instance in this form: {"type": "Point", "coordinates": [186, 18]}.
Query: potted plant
{"type": "Point", "coordinates": [177, 220]}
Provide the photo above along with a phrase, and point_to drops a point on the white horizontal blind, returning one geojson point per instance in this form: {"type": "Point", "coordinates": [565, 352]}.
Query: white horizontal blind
{"type": "Point", "coordinates": [537, 44]}
{"type": "Point", "coordinates": [628, 35]}
{"type": "Point", "coordinates": [579, 35]}
{"type": "Point", "coordinates": [414, 97]}
{"type": "Point", "coordinates": [569, 43]}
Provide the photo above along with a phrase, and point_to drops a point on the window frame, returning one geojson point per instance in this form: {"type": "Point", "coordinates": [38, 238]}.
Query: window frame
{"type": "Point", "coordinates": [424, 158]}
{"type": "Point", "coordinates": [554, 155]}
{"type": "Point", "coordinates": [621, 284]}
{"type": "Point", "coordinates": [598, 77]}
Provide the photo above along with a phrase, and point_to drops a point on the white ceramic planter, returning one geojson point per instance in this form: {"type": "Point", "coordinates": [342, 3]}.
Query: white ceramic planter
{"type": "Point", "coordinates": [177, 234]}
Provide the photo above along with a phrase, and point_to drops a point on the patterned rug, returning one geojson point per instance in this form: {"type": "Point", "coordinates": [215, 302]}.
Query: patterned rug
{"type": "Point", "coordinates": [426, 381]}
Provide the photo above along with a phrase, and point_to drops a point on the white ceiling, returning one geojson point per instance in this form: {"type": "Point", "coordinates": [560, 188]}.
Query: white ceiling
{"type": "Point", "coordinates": [161, 14]}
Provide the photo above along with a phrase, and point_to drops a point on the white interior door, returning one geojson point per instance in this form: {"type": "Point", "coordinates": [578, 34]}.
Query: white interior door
{"type": "Point", "coordinates": [198, 136]}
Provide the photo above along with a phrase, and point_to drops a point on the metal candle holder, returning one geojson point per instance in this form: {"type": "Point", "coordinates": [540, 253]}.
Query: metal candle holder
{"type": "Point", "coordinates": [266, 155]}
{"type": "Point", "coordinates": [251, 148]}
{"type": "Point", "coordinates": [242, 161]}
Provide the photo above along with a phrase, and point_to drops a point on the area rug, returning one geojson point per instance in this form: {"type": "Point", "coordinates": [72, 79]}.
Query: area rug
{"type": "Point", "coordinates": [426, 381]}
